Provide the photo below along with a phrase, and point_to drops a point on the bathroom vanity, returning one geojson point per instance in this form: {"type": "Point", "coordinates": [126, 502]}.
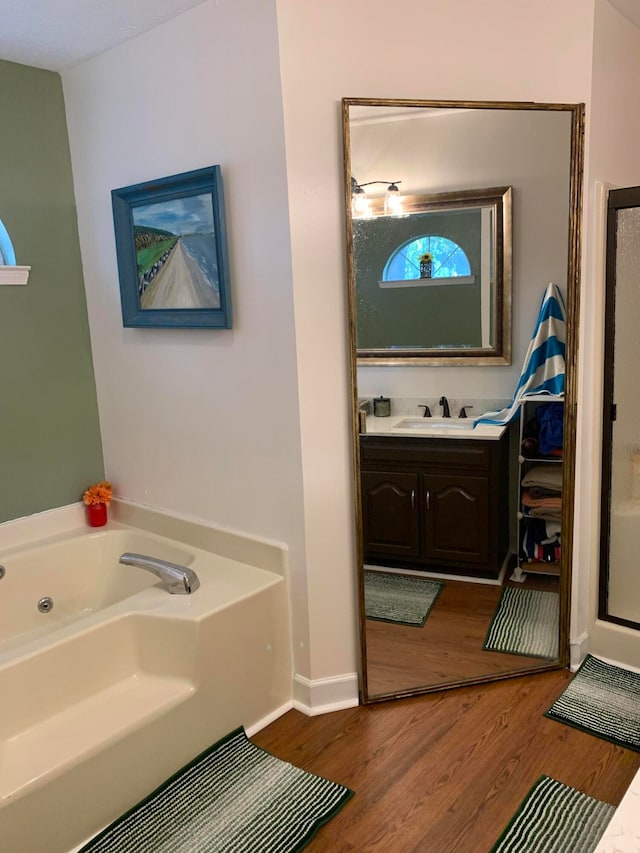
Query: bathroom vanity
{"type": "Point", "coordinates": [436, 502]}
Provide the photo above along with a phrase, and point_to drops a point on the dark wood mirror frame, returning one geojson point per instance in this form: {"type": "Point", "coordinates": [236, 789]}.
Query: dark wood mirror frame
{"type": "Point", "coordinates": [573, 307]}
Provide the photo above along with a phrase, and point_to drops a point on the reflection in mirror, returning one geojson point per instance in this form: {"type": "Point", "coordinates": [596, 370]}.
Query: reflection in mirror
{"type": "Point", "coordinates": [435, 276]}
{"type": "Point", "coordinates": [487, 214]}
{"type": "Point", "coordinates": [434, 149]}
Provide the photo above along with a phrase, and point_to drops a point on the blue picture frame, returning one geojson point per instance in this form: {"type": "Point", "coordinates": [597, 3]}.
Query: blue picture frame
{"type": "Point", "coordinates": [171, 246]}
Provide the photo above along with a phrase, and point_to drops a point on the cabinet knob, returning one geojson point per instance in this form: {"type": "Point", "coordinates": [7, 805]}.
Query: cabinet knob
{"type": "Point", "coordinates": [413, 498]}
{"type": "Point", "coordinates": [428, 497]}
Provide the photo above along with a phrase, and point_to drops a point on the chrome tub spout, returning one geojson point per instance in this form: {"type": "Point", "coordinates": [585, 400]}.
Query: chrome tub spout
{"type": "Point", "coordinates": [179, 580]}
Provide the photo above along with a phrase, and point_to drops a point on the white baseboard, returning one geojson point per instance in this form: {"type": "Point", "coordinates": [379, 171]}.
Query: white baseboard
{"type": "Point", "coordinates": [270, 718]}
{"type": "Point", "coordinates": [313, 698]}
{"type": "Point", "coordinates": [578, 650]}
{"type": "Point", "coordinates": [324, 695]}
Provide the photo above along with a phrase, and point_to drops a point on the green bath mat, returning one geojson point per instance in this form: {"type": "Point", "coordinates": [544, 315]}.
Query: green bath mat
{"type": "Point", "coordinates": [555, 818]}
{"type": "Point", "coordinates": [233, 798]}
{"type": "Point", "coordinates": [525, 623]}
{"type": "Point", "coordinates": [399, 598]}
{"type": "Point", "coordinates": [603, 700]}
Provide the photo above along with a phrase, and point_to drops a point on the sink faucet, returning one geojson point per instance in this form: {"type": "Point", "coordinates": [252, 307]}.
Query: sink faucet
{"type": "Point", "coordinates": [179, 580]}
{"type": "Point", "coordinates": [427, 410]}
{"type": "Point", "coordinates": [445, 407]}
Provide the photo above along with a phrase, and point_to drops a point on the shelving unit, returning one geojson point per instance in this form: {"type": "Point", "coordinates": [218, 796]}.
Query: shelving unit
{"type": "Point", "coordinates": [526, 462]}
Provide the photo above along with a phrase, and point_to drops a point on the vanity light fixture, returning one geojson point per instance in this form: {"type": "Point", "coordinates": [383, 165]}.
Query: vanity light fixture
{"type": "Point", "coordinates": [360, 207]}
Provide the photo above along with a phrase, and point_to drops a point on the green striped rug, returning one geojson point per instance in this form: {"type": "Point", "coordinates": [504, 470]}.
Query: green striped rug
{"type": "Point", "coordinates": [399, 598]}
{"type": "Point", "coordinates": [604, 700]}
{"type": "Point", "coordinates": [525, 623]}
{"type": "Point", "coordinates": [233, 798]}
{"type": "Point", "coordinates": [555, 818]}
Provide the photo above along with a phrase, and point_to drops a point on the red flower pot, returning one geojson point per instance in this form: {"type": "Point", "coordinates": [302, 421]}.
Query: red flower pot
{"type": "Point", "coordinates": [96, 515]}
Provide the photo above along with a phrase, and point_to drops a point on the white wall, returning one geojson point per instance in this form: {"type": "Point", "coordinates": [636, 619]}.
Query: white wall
{"type": "Point", "coordinates": [613, 161]}
{"type": "Point", "coordinates": [494, 50]}
{"type": "Point", "coordinates": [203, 423]}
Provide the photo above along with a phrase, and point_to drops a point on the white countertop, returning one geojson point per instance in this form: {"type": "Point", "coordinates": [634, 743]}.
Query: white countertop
{"type": "Point", "coordinates": [623, 833]}
{"type": "Point", "coordinates": [455, 428]}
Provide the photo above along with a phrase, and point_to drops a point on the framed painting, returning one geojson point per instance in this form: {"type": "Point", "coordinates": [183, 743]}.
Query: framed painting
{"type": "Point", "coordinates": [172, 255]}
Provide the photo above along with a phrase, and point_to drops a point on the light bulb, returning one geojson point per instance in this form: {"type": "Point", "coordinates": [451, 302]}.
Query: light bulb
{"type": "Point", "coordinates": [359, 204]}
{"type": "Point", "coordinates": [393, 201]}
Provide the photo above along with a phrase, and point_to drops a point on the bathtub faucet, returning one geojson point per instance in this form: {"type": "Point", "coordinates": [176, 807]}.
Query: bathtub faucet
{"type": "Point", "coordinates": [179, 580]}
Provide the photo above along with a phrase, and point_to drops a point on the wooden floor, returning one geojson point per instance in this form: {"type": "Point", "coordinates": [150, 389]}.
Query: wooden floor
{"type": "Point", "coordinates": [445, 772]}
{"type": "Point", "coordinates": [448, 647]}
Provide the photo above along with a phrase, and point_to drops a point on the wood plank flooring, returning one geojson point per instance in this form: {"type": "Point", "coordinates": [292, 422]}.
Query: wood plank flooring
{"type": "Point", "coordinates": [445, 772]}
{"type": "Point", "coordinates": [448, 647]}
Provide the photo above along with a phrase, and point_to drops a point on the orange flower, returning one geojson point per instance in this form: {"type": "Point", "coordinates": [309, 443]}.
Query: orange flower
{"type": "Point", "coordinates": [100, 493]}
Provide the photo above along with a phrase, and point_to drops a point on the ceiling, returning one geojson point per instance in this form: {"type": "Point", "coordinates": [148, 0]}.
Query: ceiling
{"type": "Point", "coordinates": [629, 8]}
{"type": "Point", "coordinates": [56, 34]}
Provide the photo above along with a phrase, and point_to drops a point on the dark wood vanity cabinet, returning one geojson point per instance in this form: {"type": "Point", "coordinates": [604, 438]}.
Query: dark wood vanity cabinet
{"type": "Point", "coordinates": [391, 522]}
{"type": "Point", "coordinates": [435, 503]}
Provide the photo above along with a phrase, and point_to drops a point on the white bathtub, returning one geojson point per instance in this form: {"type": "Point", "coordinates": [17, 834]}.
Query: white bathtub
{"type": "Point", "coordinates": [122, 683]}
{"type": "Point", "coordinates": [80, 573]}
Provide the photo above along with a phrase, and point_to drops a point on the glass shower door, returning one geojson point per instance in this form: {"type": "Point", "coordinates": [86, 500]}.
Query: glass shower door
{"type": "Point", "coordinates": [620, 549]}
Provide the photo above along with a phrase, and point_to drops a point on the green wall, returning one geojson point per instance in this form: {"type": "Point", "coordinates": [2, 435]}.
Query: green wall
{"type": "Point", "coordinates": [447, 316]}
{"type": "Point", "coordinates": [50, 447]}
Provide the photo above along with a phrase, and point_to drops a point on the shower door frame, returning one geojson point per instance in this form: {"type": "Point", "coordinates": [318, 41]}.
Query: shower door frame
{"type": "Point", "coordinates": [619, 199]}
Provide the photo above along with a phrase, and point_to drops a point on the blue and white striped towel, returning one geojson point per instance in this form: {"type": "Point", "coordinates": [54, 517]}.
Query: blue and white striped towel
{"type": "Point", "coordinates": [543, 371]}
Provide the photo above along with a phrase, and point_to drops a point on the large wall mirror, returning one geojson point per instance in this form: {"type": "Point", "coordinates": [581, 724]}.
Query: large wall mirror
{"type": "Point", "coordinates": [458, 215]}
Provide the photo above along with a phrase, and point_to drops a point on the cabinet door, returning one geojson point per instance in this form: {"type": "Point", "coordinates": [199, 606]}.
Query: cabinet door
{"type": "Point", "coordinates": [390, 514]}
{"type": "Point", "coordinates": [456, 518]}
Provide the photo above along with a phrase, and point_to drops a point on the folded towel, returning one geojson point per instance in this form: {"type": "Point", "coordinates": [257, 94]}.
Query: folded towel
{"type": "Point", "coordinates": [547, 513]}
{"type": "Point", "coordinates": [528, 500]}
{"type": "Point", "coordinates": [542, 492]}
{"type": "Point", "coordinates": [548, 476]}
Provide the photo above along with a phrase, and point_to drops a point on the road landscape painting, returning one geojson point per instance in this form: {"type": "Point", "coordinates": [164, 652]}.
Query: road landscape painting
{"type": "Point", "coordinates": [175, 249]}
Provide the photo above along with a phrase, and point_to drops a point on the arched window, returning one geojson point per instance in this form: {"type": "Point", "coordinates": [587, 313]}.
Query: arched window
{"type": "Point", "coordinates": [448, 259]}
{"type": "Point", "coordinates": [10, 272]}
{"type": "Point", "coordinates": [7, 255]}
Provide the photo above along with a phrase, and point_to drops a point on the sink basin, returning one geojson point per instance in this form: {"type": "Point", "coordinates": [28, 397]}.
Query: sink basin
{"type": "Point", "coordinates": [435, 424]}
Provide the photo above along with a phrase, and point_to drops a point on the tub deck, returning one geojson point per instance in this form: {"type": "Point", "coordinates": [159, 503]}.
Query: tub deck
{"type": "Point", "coordinates": [131, 685]}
